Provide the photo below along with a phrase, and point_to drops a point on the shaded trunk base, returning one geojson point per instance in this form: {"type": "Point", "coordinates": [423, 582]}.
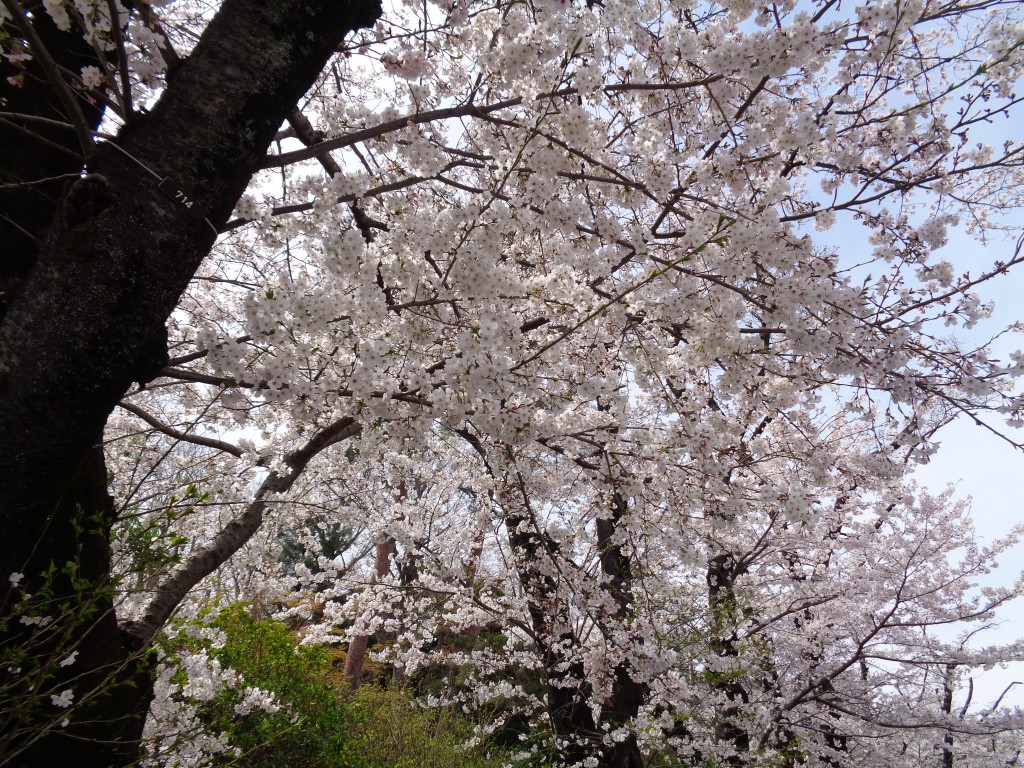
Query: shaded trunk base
{"type": "Point", "coordinates": [80, 649]}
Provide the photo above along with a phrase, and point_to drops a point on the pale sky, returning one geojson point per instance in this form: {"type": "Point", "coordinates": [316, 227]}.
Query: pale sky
{"type": "Point", "coordinates": [986, 468]}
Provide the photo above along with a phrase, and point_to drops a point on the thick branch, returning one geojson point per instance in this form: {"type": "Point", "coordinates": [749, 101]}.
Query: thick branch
{"type": "Point", "coordinates": [208, 558]}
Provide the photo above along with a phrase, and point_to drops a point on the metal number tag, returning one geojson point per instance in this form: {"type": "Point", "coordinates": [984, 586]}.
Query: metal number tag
{"type": "Point", "coordinates": [170, 188]}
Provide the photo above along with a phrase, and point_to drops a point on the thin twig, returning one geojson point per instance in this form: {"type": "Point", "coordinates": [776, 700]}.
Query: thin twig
{"type": "Point", "coordinates": [48, 179]}
{"type": "Point", "coordinates": [122, 61]}
{"type": "Point", "coordinates": [19, 117]}
{"type": "Point", "coordinates": [177, 434]}
{"type": "Point", "coordinates": [36, 137]}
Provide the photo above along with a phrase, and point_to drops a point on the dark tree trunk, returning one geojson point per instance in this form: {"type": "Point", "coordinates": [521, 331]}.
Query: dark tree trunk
{"type": "Point", "coordinates": [85, 307]}
{"type": "Point", "coordinates": [566, 687]}
{"type": "Point", "coordinates": [721, 579]}
{"type": "Point", "coordinates": [567, 690]}
{"type": "Point", "coordinates": [627, 694]}
{"type": "Point", "coordinates": [947, 706]}
{"type": "Point", "coordinates": [38, 163]}
{"type": "Point", "coordinates": [110, 672]}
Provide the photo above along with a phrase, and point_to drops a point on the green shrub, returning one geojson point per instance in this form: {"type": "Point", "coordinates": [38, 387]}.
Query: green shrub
{"type": "Point", "coordinates": [388, 731]}
{"type": "Point", "coordinates": [310, 728]}
{"type": "Point", "coordinates": [319, 723]}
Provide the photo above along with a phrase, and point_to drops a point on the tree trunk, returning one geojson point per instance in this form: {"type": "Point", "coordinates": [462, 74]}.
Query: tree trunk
{"type": "Point", "coordinates": [721, 579]}
{"type": "Point", "coordinates": [87, 318]}
{"type": "Point", "coordinates": [385, 551]}
{"type": "Point", "coordinates": [948, 679]}
{"type": "Point", "coordinates": [627, 694]}
{"type": "Point", "coordinates": [566, 686]}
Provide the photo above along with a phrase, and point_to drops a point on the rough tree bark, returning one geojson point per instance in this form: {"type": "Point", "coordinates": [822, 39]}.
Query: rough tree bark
{"type": "Point", "coordinates": [84, 318]}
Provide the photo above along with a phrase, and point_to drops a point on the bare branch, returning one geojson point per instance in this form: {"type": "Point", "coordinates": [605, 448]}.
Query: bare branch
{"type": "Point", "coordinates": [177, 434]}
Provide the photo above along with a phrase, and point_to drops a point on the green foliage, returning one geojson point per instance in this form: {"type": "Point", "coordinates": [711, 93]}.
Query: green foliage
{"type": "Point", "coordinates": [331, 540]}
{"type": "Point", "coordinates": [388, 732]}
{"type": "Point", "coordinates": [308, 729]}
{"type": "Point", "coordinates": [151, 544]}
{"type": "Point", "coordinates": [319, 723]}
{"type": "Point", "coordinates": [148, 535]}
{"type": "Point", "coordinates": [42, 624]}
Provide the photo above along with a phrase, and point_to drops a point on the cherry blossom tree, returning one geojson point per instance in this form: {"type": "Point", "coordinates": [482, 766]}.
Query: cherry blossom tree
{"type": "Point", "coordinates": [778, 638]}
{"type": "Point", "coordinates": [569, 275]}
{"type": "Point", "coordinates": [97, 263]}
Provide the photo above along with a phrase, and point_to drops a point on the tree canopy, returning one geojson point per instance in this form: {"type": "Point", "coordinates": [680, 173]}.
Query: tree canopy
{"type": "Point", "coordinates": [576, 356]}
